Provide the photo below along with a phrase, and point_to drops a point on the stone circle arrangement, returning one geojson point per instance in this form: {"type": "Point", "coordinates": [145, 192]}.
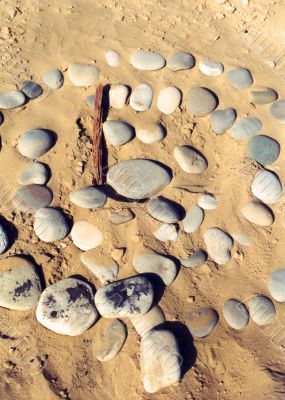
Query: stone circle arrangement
{"type": "Point", "coordinates": [69, 306]}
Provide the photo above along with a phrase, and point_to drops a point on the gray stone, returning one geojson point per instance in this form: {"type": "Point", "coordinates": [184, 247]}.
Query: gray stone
{"type": "Point", "coordinates": [190, 160]}
{"type": "Point", "coordinates": [35, 143]}
{"type": "Point", "coordinates": [141, 98]}
{"type": "Point", "coordinates": [116, 334]}
{"type": "Point", "coordinates": [103, 267]}
{"type": "Point", "coordinates": [207, 201]}
{"type": "Point", "coordinates": [83, 75]}
{"type": "Point", "coordinates": [54, 79]}
{"type": "Point", "coordinates": [12, 99]}
{"type": "Point", "coordinates": [263, 149]}
{"type": "Point", "coordinates": [144, 323]}
{"type": "Point", "coordinates": [36, 173]}
{"type": "Point", "coordinates": [30, 198]}
{"type": "Point", "coordinates": [246, 128]}
{"type": "Point", "coordinates": [86, 236]}
{"type": "Point", "coordinates": [222, 120]}
{"type": "Point", "coordinates": [276, 285]}
{"type": "Point", "coordinates": [219, 245]}
{"type": "Point", "coordinates": [266, 186]}
{"type": "Point", "coordinates": [180, 60]}
{"type": "Point", "coordinates": [90, 101]}
{"type": "Point", "coordinates": [240, 78]}
{"type": "Point", "coordinates": [258, 213]}
{"type": "Point", "coordinates": [31, 89]}
{"type": "Point", "coordinates": [88, 197]}
{"type": "Point", "coordinates": [118, 133]}
{"type": "Point", "coordinates": [147, 61]}
{"type": "Point", "coordinates": [195, 260]}
{"type": "Point", "coordinates": [193, 219]}
{"type": "Point", "coordinates": [118, 96]}
{"type": "Point", "coordinates": [167, 232]}
{"type": "Point", "coordinates": [169, 99]}
{"type": "Point", "coordinates": [50, 225]}
{"type": "Point", "coordinates": [4, 239]}
{"type": "Point", "coordinates": [211, 68]}
{"type": "Point", "coordinates": [112, 58]}
{"type": "Point", "coordinates": [263, 96]}
{"type": "Point", "coordinates": [261, 310]}
{"type": "Point", "coordinates": [201, 102]}
{"type": "Point", "coordinates": [163, 210]}
{"type": "Point", "coordinates": [122, 217]}
{"type": "Point", "coordinates": [151, 134]}
{"type": "Point", "coordinates": [277, 110]}
{"type": "Point", "coordinates": [201, 322]}
{"type": "Point", "coordinates": [235, 314]}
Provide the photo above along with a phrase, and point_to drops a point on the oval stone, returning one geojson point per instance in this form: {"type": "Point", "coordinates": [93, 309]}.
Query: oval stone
{"type": "Point", "coordinates": [201, 322]}
{"type": "Point", "coordinates": [12, 99]}
{"type": "Point", "coordinates": [193, 219]}
{"type": "Point", "coordinates": [164, 210]}
{"type": "Point", "coordinates": [103, 267]}
{"type": "Point", "coordinates": [147, 61]}
{"type": "Point", "coordinates": [30, 198]}
{"type": "Point", "coordinates": [246, 128]}
{"type": "Point", "coordinates": [83, 74]}
{"type": "Point", "coordinates": [276, 285]}
{"type": "Point", "coordinates": [122, 217]}
{"type": "Point", "coordinates": [263, 149]}
{"type": "Point", "coordinates": [190, 160]}
{"type": "Point", "coordinates": [236, 314]}
{"type": "Point", "coordinates": [263, 96]}
{"type": "Point", "coordinates": [31, 89]}
{"type": "Point", "coordinates": [201, 102]}
{"type": "Point", "coordinates": [116, 335]}
{"type": "Point", "coordinates": [219, 245]}
{"type": "Point", "coordinates": [141, 98]}
{"type": "Point", "coordinates": [36, 173]}
{"type": "Point", "coordinates": [54, 79]}
{"type": "Point", "coordinates": [50, 225]}
{"type": "Point", "coordinates": [222, 120]}
{"type": "Point", "coordinates": [35, 143]}
{"type": "Point", "coordinates": [207, 201]}
{"type": "Point", "coordinates": [118, 96]}
{"type": "Point", "coordinates": [277, 110]}
{"type": "Point", "coordinates": [169, 99]}
{"type": "Point", "coordinates": [86, 236]}
{"type": "Point", "coordinates": [144, 323]}
{"type": "Point", "coordinates": [258, 213]}
{"type": "Point", "coordinates": [4, 239]}
{"type": "Point", "coordinates": [112, 58]}
{"type": "Point", "coordinates": [152, 134]}
{"type": "Point", "coordinates": [180, 60]}
{"type": "Point", "coordinates": [240, 78]}
{"type": "Point", "coordinates": [261, 310]}
{"type": "Point", "coordinates": [266, 186]}
{"type": "Point", "coordinates": [167, 232]}
{"type": "Point", "coordinates": [88, 197]}
{"type": "Point", "coordinates": [118, 133]}
{"type": "Point", "coordinates": [195, 260]}
{"type": "Point", "coordinates": [211, 68]}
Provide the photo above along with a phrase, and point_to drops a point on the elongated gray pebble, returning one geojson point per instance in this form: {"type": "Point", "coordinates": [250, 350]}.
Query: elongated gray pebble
{"type": "Point", "coordinates": [258, 213]}
{"type": "Point", "coordinates": [277, 110]}
{"type": "Point", "coordinates": [102, 266]}
{"type": "Point", "coordinates": [34, 173]}
{"type": "Point", "coordinates": [151, 134]}
{"type": "Point", "coordinates": [113, 58]}
{"type": "Point", "coordinates": [54, 79]}
{"type": "Point", "coordinates": [30, 198]}
{"type": "Point", "coordinates": [4, 239]}
{"type": "Point", "coordinates": [276, 285]}
{"type": "Point", "coordinates": [12, 99]}
{"type": "Point", "coordinates": [163, 210]}
{"type": "Point", "coordinates": [116, 336]}
{"type": "Point", "coordinates": [122, 217]}
{"type": "Point", "coordinates": [190, 160]}
{"type": "Point", "coordinates": [219, 245]}
{"type": "Point", "coordinates": [167, 232]}
{"type": "Point", "coordinates": [147, 61]}
{"type": "Point", "coordinates": [88, 197]}
{"type": "Point", "coordinates": [240, 78]}
{"type": "Point", "coordinates": [222, 120]}
{"type": "Point", "coordinates": [236, 314]}
{"type": "Point", "coordinates": [118, 96]}
{"type": "Point", "coordinates": [169, 99]}
{"type": "Point", "coordinates": [261, 310]}
{"type": "Point", "coordinates": [141, 97]}
{"type": "Point", "coordinates": [50, 224]}
{"type": "Point", "coordinates": [35, 143]}
{"type": "Point", "coordinates": [263, 95]}
{"type": "Point", "coordinates": [144, 323]}
{"type": "Point", "coordinates": [246, 128]}
{"type": "Point", "coordinates": [198, 258]}
{"type": "Point", "coordinates": [263, 149]}
{"type": "Point", "coordinates": [31, 89]}
{"type": "Point", "coordinates": [193, 219]}
{"type": "Point", "coordinates": [118, 133]}
{"type": "Point", "coordinates": [266, 186]}
{"type": "Point", "coordinates": [180, 60]}
{"type": "Point", "coordinates": [83, 74]}
{"type": "Point", "coordinates": [201, 322]}
{"type": "Point", "coordinates": [201, 102]}
{"type": "Point", "coordinates": [211, 68]}
{"type": "Point", "coordinates": [207, 201]}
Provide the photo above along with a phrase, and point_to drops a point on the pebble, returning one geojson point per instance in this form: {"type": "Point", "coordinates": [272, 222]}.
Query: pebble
{"type": "Point", "coordinates": [31, 89]}
{"type": "Point", "coordinates": [201, 322]}
{"type": "Point", "coordinates": [125, 298]}
{"type": "Point", "coordinates": [222, 120]}
{"type": "Point", "coordinates": [190, 160]}
{"type": "Point", "coordinates": [164, 210]}
{"type": "Point", "coordinates": [141, 98]}
{"type": "Point", "coordinates": [90, 101]}
{"type": "Point", "coordinates": [152, 134]}
{"type": "Point", "coordinates": [118, 133]}
{"type": "Point", "coordinates": [276, 285]}
{"type": "Point", "coordinates": [201, 102]}
{"type": "Point", "coordinates": [193, 219]}
{"type": "Point", "coordinates": [67, 307]}
{"type": "Point", "coordinates": [180, 60]}
{"type": "Point", "coordinates": [258, 213]}
{"type": "Point", "coordinates": [54, 79]}
{"type": "Point", "coordinates": [12, 99]}
{"type": "Point", "coordinates": [147, 61]}
{"type": "Point", "coordinates": [277, 110]}
{"type": "Point", "coordinates": [263, 149]}
{"type": "Point", "coordinates": [169, 99]}
{"type": "Point", "coordinates": [266, 186]}
{"type": "Point", "coordinates": [122, 217]}
{"type": "Point", "coordinates": [116, 334]}
{"type": "Point", "coordinates": [137, 178]}
{"type": "Point", "coordinates": [160, 360]}
{"type": "Point", "coordinates": [235, 314]}
{"type": "Point", "coordinates": [1, 118]}
{"type": "Point", "coordinates": [243, 240]}
{"type": "Point", "coordinates": [113, 58]}
{"type": "Point", "coordinates": [261, 310]}
{"type": "Point", "coordinates": [35, 143]}
{"type": "Point", "coordinates": [263, 96]}
{"type": "Point", "coordinates": [207, 201]}
{"type": "Point", "coordinates": [144, 323]}
{"type": "Point", "coordinates": [20, 285]}
{"type": "Point", "coordinates": [195, 260]}
{"type": "Point", "coordinates": [36, 173]}
{"type": "Point", "coordinates": [219, 245]}
{"type": "Point", "coordinates": [30, 198]}
{"type": "Point", "coordinates": [103, 267]}
{"type": "Point", "coordinates": [211, 68]}
{"type": "Point", "coordinates": [50, 224]}
{"type": "Point", "coordinates": [86, 236]}
{"type": "Point", "coordinates": [166, 232]}
{"type": "Point", "coordinates": [240, 78]}
{"type": "Point", "coordinates": [4, 239]}
{"type": "Point", "coordinates": [246, 128]}
{"type": "Point", "coordinates": [88, 197]}
{"type": "Point", "coordinates": [118, 95]}
{"type": "Point", "coordinates": [148, 261]}
{"type": "Point", "coordinates": [83, 74]}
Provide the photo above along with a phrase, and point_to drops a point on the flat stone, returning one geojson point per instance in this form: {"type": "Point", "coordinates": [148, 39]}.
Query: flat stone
{"type": "Point", "coordinates": [113, 58]}
{"type": "Point", "coordinates": [263, 149]}
{"type": "Point", "coordinates": [261, 310]}
{"type": "Point", "coordinates": [147, 61]}
{"type": "Point", "coordinates": [151, 134]}
{"type": "Point", "coordinates": [138, 178]}
{"type": "Point", "coordinates": [190, 160]}
{"type": "Point", "coordinates": [219, 245]}
{"type": "Point", "coordinates": [169, 99]}
{"type": "Point", "coordinates": [164, 210]}
{"type": "Point", "coordinates": [20, 285]}
{"type": "Point", "coordinates": [88, 197]}
{"type": "Point", "coordinates": [263, 96]}
{"type": "Point", "coordinates": [276, 285]}
{"type": "Point", "coordinates": [141, 98]}
{"type": "Point", "coordinates": [118, 95]}
{"type": "Point", "coordinates": [266, 186]}
{"type": "Point", "coordinates": [54, 79]}
{"type": "Point", "coordinates": [122, 217]}
{"type": "Point", "coordinates": [67, 307]}
{"type": "Point", "coordinates": [83, 74]}
{"type": "Point", "coordinates": [125, 298]}
{"type": "Point", "coordinates": [1, 118]}
{"type": "Point", "coordinates": [148, 261]}
{"type": "Point", "coordinates": [211, 68]}
{"type": "Point", "coordinates": [240, 78]}
{"type": "Point", "coordinates": [167, 232]}
{"type": "Point", "coordinates": [31, 89]}
{"type": "Point", "coordinates": [243, 240]}
{"type": "Point", "coordinates": [12, 99]}
{"type": "Point", "coordinates": [201, 322]}
{"type": "Point", "coordinates": [35, 143]}
{"type": "Point", "coordinates": [4, 239]}
{"type": "Point", "coordinates": [180, 60]}
{"type": "Point", "coordinates": [193, 219]}
{"type": "Point", "coordinates": [30, 198]}
{"type": "Point", "coordinates": [207, 201]}
{"type": "Point", "coordinates": [235, 314]}
{"type": "Point", "coordinates": [144, 323]}
{"type": "Point", "coordinates": [195, 260]}
{"type": "Point", "coordinates": [160, 360]}
{"type": "Point", "coordinates": [116, 334]}
{"type": "Point", "coordinates": [222, 120]}
{"type": "Point", "coordinates": [102, 266]}
{"type": "Point", "coordinates": [246, 128]}
{"type": "Point", "coordinates": [50, 224]}
{"type": "Point", "coordinates": [277, 110]}
{"type": "Point", "coordinates": [36, 173]}
{"type": "Point", "coordinates": [118, 133]}
{"type": "Point", "coordinates": [258, 213]}
{"type": "Point", "coordinates": [86, 236]}
{"type": "Point", "coordinates": [201, 102]}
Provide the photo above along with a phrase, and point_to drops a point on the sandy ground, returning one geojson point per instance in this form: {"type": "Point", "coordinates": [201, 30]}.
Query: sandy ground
{"type": "Point", "coordinates": [37, 36]}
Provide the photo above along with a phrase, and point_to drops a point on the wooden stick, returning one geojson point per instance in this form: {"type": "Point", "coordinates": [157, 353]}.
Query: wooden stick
{"type": "Point", "coordinates": [97, 135]}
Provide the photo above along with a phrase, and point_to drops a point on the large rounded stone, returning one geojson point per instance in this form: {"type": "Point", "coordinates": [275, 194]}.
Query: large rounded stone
{"type": "Point", "coordinates": [168, 100]}
{"type": "Point", "coordinates": [246, 128]}
{"type": "Point", "coordinates": [240, 78]}
{"type": "Point", "coordinates": [201, 322]}
{"type": "Point", "coordinates": [31, 89]}
{"type": "Point", "coordinates": [144, 323]}
{"type": "Point", "coordinates": [12, 99]}
{"type": "Point", "coordinates": [35, 143]}
{"type": "Point", "coordinates": [201, 102]}
{"type": "Point", "coordinates": [277, 110]}
{"type": "Point", "coordinates": [211, 68]}
{"type": "Point", "coordinates": [83, 74]}
{"type": "Point", "coordinates": [116, 335]}
{"type": "Point", "coordinates": [261, 310]}
{"type": "Point", "coordinates": [86, 236]}
{"type": "Point", "coordinates": [180, 60]}
{"type": "Point", "coordinates": [30, 198]}
{"type": "Point", "coordinates": [141, 98]}
{"type": "Point", "coordinates": [102, 266]}
{"type": "Point", "coordinates": [263, 95]}
{"type": "Point", "coordinates": [118, 133]}
{"type": "Point", "coordinates": [263, 149]}
{"type": "Point", "coordinates": [164, 210]}
{"type": "Point", "coordinates": [50, 225]}
{"type": "Point", "coordinates": [151, 134]}
{"type": "Point", "coordinates": [36, 173]}
{"type": "Point", "coordinates": [147, 61]}
{"type": "Point", "coordinates": [54, 79]}
{"type": "Point", "coordinates": [258, 213]}
{"type": "Point", "coordinates": [88, 197]}
{"type": "Point", "coordinates": [266, 186]}
{"type": "Point", "coordinates": [236, 314]}
{"type": "Point", "coordinates": [219, 245]}
{"type": "Point", "coordinates": [190, 160]}
{"type": "Point", "coordinates": [118, 96]}
{"type": "Point", "coordinates": [222, 120]}
{"type": "Point", "coordinates": [193, 219]}
{"type": "Point", "coordinates": [276, 285]}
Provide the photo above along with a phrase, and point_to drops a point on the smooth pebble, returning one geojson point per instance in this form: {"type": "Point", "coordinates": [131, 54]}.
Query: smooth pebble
{"type": "Point", "coordinates": [169, 99]}
{"type": "Point", "coordinates": [90, 101]}
{"type": "Point", "coordinates": [31, 89]}
{"type": "Point", "coordinates": [276, 285]}
{"type": "Point", "coordinates": [50, 224]}
{"type": "Point", "coordinates": [102, 266]}
{"type": "Point", "coordinates": [167, 232]}
{"type": "Point", "coordinates": [83, 74]}
{"type": "Point", "coordinates": [235, 314]}
{"type": "Point", "coordinates": [30, 198]}
{"type": "Point", "coordinates": [263, 149]}
{"type": "Point", "coordinates": [122, 217]}
{"type": "Point", "coordinates": [258, 213]}
{"type": "Point", "coordinates": [277, 110]}
{"type": "Point", "coordinates": [88, 197]}
{"type": "Point", "coordinates": [141, 97]}
{"type": "Point", "coordinates": [117, 132]}
{"type": "Point", "coordinates": [34, 173]}
{"type": "Point", "coordinates": [240, 78]}
{"type": "Point", "coordinates": [113, 58]}
{"type": "Point", "coordinates": [85, 235]}
{"type": "Point", "coordinates": [261, 310]}
{"type": "Point", "coordinates": [180, 60]}
{"type": "Point", "coordinates": [219, 245]}
{"type": "Point", "coordinates": [54, 79]}
{"type": "Point", "coordinates": [263, 95]}
{"type": "Point", "coordinates": [164, 210]}
{"type": "Point", "coordinates": [144, 323]}
{"type": "Point", "coordinates": [151, 134]}
{"type": "Point", "coordinates": [246, 128]}
{"type": "Point", "coordinates": [211, 68]}
{"type": "Point", "coordinates": [198, 258]}
{"type": "Point", "coordinates": [12, 99]}
{"type": "Point", "coordinates": [116, 335]}
{"type": "Point", "coordinates": [190, 160]}
{"type": "Point", "coordinates": [147, 61]}
{"type": "Point", "coordinates": [201, 322]}
{"type": "Point", "coordinates": [35, 143]}
{"type": "Point", "coordinates": [266, 186]}
{"type": "Point", "coordinates": [222, 120]}
{"type": "Point", "coordinates": [118, 95]}
{"type": "Point", "coordinates": [193, 219]}
{"type": "Point", "coordinates": [207, 201]}
{"type": "Point", "coordinates": [201, 102]}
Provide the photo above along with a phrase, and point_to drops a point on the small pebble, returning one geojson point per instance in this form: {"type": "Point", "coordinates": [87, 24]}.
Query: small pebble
{"type": "Point", "coordinates": [207, 201]}
{"type": "Point", "coordinates": [164, 210]}
{"type": "Point", "coordinates": [122, 217]}
{"type": "Point", "coordinates": [201, 102]}
{"type": "Point", "coordinates": [266, 186]}
{"type": "Point", "coordinates": [240, 78]}
{"type": "Point", "coordinates": [83, 74]}
{"type": "Point", "coordinates": [118, 95]}
{"type": "Point", "coordinates": [190, 160]}
{"type": "Point", "coordinates": [258, 213]}
{"type": "Point", "coordinates": [90, 101]}
{"type": "Point", "coordinates": [103, 267]}
{"type": "Point", "coordinates": [263, 149]}
{"type": "Point", "coordinates": [35, 143]}
{"type": "Point", "coordinates": [54, 79]}
{"type": "Point", "coordinates": [246, 128]}
{"type": "Point", "coordinates": [193, 219]}
{"type": "Point", "coordinates": [30, 198]}
{"type": "Point", "coordinates": [12, 99]}
{"type": "Point", "coordinates": [112, 58]}
{"type": "Point", "coordinates": [36, 173]}
{"type": "Point", "coordinates": [195, 260]}
{"type": "Point", "coordinates": [141, 97]}
{"type": "Point", "coordinates": [116, 334]}
{"type": "Point", "coordinates": [276, 285]}
{"type": "Point", "coordinates": [118, 133]}
{"type": "Point", "coordinates": [235, 314]}
{"type": "Point", "coordinates": [144, 323]}
{"type": "Point", "coordinates": [86, 236]}
{"type": "Point", "coordinates": [151, 134]}
{"type": "Point", "coordinates": [88, 197]}
{"type": "Point", "coordinates": [263, 96]}
{"type": "Point", "coordinates": [222, 120]}
{"type": "Point", "coordinates": [147, 61]}
{"type": "Point", "coordinates": [4, 239]}
{"type": "Point", "coordinates": [168, 100]}
{"type": "Point", "coordinates": [277, 110]}
{"type": "Point", "coordinates": [219, 245]}
{"type": "Point", "coordinates": [167, 232]}
{"type": "Point", "coordinates": [31, 89]}
{"type": "Point", "coordinates": [211, 68]}
{"type": "Point", "coordinates": [201, 322]}
{"type": "Point", "coordinates": [180, 60]}
{"type": "Point", "coordinates": [50, 224]}
{"type": "Point", "coordinates": [261, 310]}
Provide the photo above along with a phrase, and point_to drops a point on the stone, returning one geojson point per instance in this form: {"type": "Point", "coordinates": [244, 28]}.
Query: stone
{"type": "Point", "coordinates": [219, 245]}
{"type": "Point", "coordinates": [4, 239]}
{"type": "Point", "coordinates": [1, 118]}
{"type": "Point", "coordinates": [164, 210]}
{"type": "Point", "coordinates": [148, 261]}
{"type": "Point", "coordinates": [36, 173]}
{"type": "Point", "coordinates": [211, 68]}
{"type": "Point", "coordinates": [31, 89]}
{"type": "Point", "coordinates": [207, 201]}
{"type": "Point", "coordinates": [67, 307]}
{"type": "Point", "coordinates": [118, 133]}
{"type": "Point", "coordinates": [125, 298]}
{"type": "Point", "coordinates": [277, 111]}
{"type": "Point", "coordinates": [102, 266]}
{"type": "Point", "coordinates": [122, 217]}
{"type": "Point", "coordinates": [160, 360]}
{"type": "Point", "coordinates": [54, 79]}
{"type": "Point", "coordinates": [261, 310]}
{"type": "Point", "coordinates": [116, 334]}
{"type": "Point", "coordinates": [90, 101]}
{"type": "Point", "coordinates": [198, 258]}
{"type": "Point", "coordinates": [167, 232]}
{"type": "Point", "coordinates": [152, 134]}
{"type": "Point", "coordinates": [240, 78]}
{"type": "Point", "coordinates": [144, 323]}
{"type": "Point", "coordinates": [141, 98]}
{"type": "Point", "coordinates": [113, 58]}
{"type": "Point", "coordinates": [190, 160]}
{"type": "Point", "coordinates": [180, 60]}
{"type": "Point", "coordinates": [235, 314]}
{"type": "Point", "coordinates": [258, 213]}
{"type": "Point", "coordinates": [169, 99]}
{"type": "Point", "coordinates": [243, 240]}
{"type": "Point", "coordinates": [83, 75]}
{"type": "Point", "coordinates": [138, 178]}
{"type": "Point", "coordinates": [201, 102]}
{"type": "Point", "coordinates": [147, 61]}
{"type": "Point", "coordinates": [35, 143]}
{"type": "Point", "coordinates": [118, 95]}
{"type": "Point", "coordinates": [276, 285]}
{"type": "Point", "coordinates": [30, 198]}
{"type": "Point", "coordinates": [222, 120]}
{"type": "Point", "coordinates": [88, 197]}
{"type": "Point", "coordinates": [201, 322]}
{"type": "Point", "coordinates": [20, 284]}
{"type": "Point", "coordinates": [12, 99]}
{"type": "Point", "coordinates": [86, 236]}
{"type": "Point", "coordinates": [266, 186]}
{"type": "Point", "coordinates": [193, 219]}
{"type": "Point", "coordinates": [263, 96]}
{"type": "Point", "coordinates": [263, 149]}
{"type": "Point", "coordinates": [246, 128]}
{"type": "Point", "coordinates": [50, 225]}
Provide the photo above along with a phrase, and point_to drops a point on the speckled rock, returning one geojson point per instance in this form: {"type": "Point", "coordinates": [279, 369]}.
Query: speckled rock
{"type": "Point", "coordinates": [211, 68]}
{"type": "Point", "coordinates": [35, 143]}
{"type": "Point", "coordinates": [190, 160]}
{"type": "Point", "coordinates": [246, 128]}
{"type": "Point", "coordinates": [118, 133]}
{"type": "Point", "coordinates": [276, 285]}
{"type": "Point", "coordinates": [167, 232]}
{"type": "Point", "coordinates": [88, 197]}
{"type": "Point", "coordinates": [86, 236]}
{"type": "Point", "coordinates": [222, 120]}
{"type": "Point", "coordinates": [31, 89]}
{"type": "Point", "coordinates": [180, 60]}
{"type": "Point", "coordinates": [83, 74]}
{"type": "Point", "coordinates": [36, 173]}
{"type": "Point", "coordinates": [50, 225]}
{"type": "Point", "coordinates": [12, 99]}
{"type": "Point", "coordinates": [141, 97]}
{"type": "Point", "coordinates": [147, 61]}
{"type": "Point", "coordinates": [113, 58]}
{"type": "Point", "coordinates": [195, 260]}
{"type": "Point", "coordinates": [4, 239]}
{"type": "Point", "coordinates": [277, 110]}
{"type": "Point", "coordinates": [118, 96]}
{"type": "Point", "coordinates": [54, 79]}
{"type": "Point", "coordinates": [193, 219]}
{"type": "Point", "coordinates": [258, 213]}
{"type": "Point", "coordinates": [144, 323]}
{"type": "Point", "coordinates": [263, 95]}
{"type": "Point", "coordinates": [151, 134]}
{"type": "Point", "coordinates": [201, 102]}
{"type": "Point", "coordinates": [201, 322]}
{"type": "Point", "coordinates": [266, 186]}
{"type": "Point", "coordinates": [164, 210]}
{"type": "Point", "coordinates": [207, 201]}
{"type": "Point", "coordinates": [102, 266]}
{"type": "Point", "coordinates": [235, 314]}
{"type": "Point", "coordinates": [169, 99]}
{"type": "Point", "coordinates": [261, 310]}
{"type": "Point", "coordinates": [116, 335]}
{"type": "Point", "coordinates": [240, 78]}
{"type": "Point", "coordinates": [263, 149]}
{"type": "Point", "coordinates": [30, 198]}
{"type": "Point", "coordinates": [219, 245]}
{"type": "Point", "coordinates": [122, 217]}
